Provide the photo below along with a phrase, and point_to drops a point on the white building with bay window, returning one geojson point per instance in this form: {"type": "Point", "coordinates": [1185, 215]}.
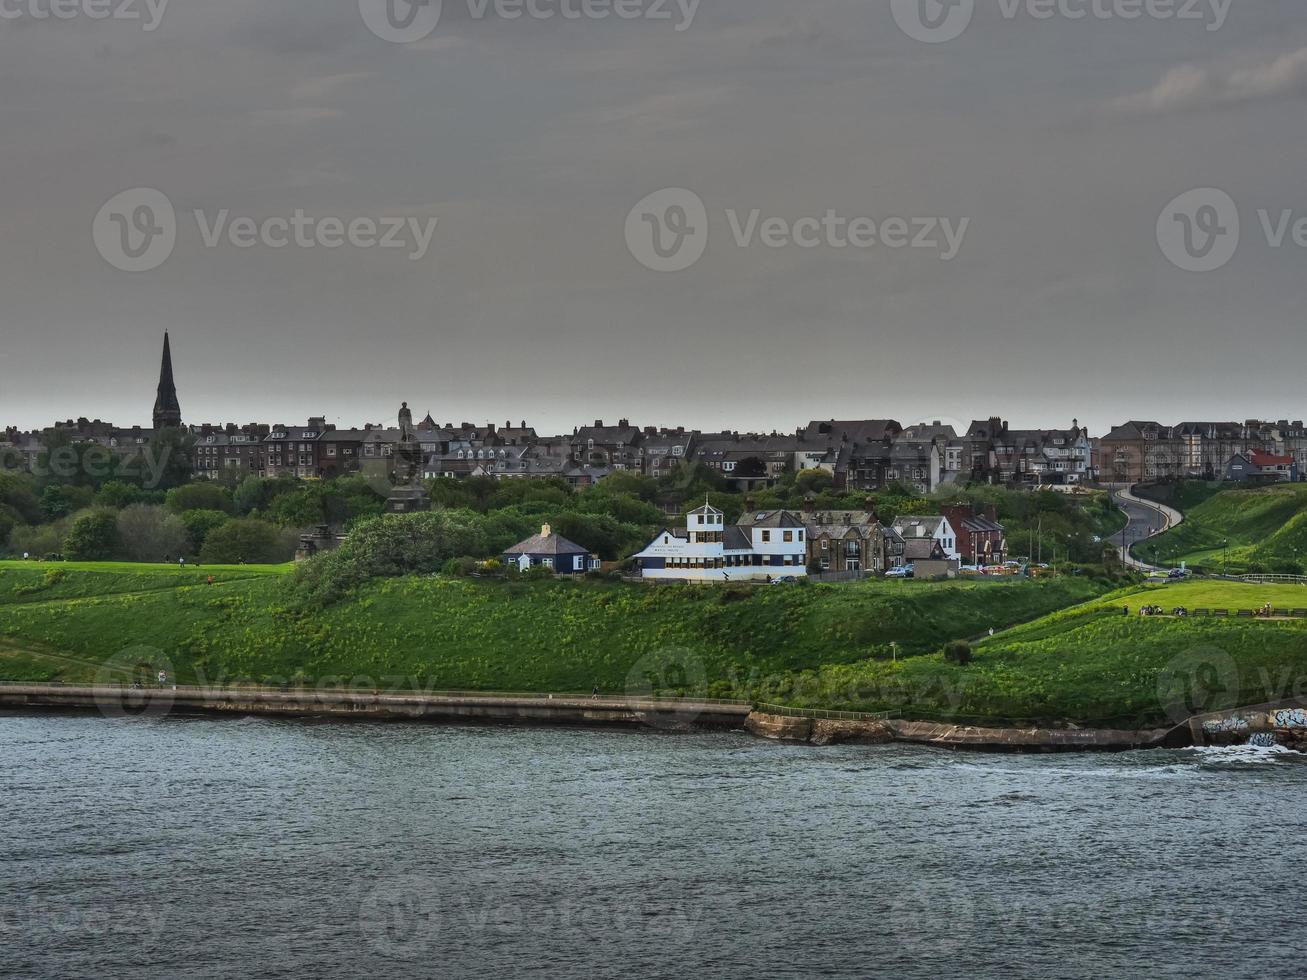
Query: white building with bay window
{"type": "Point", "coordinates": [708, 550]}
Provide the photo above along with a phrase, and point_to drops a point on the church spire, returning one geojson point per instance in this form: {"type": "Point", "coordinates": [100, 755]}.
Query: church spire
{"type": "Point", "coordinates": [167, 411]}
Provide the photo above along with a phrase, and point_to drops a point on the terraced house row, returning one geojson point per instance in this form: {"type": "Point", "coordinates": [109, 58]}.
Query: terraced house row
{"type": "Point", "coordinates": [860, 455]}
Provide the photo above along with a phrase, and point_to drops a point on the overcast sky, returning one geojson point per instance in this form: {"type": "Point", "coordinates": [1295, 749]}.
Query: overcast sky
{"type": "Point", "coordinates": [1059, 141]}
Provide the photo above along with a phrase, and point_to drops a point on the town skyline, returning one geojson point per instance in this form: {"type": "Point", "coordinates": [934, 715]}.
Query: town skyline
{"type": "Point", "coordinates": [124, 407]}
{"type": "Point", "coordinates": [859, 454]}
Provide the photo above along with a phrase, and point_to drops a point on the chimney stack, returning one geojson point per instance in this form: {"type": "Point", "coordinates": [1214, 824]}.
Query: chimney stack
{"type": "Point", "coordinates": [546, 531]}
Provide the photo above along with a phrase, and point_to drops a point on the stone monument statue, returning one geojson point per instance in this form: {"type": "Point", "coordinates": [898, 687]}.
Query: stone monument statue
{"type": "Point", "coordinates": [406, 432]}
{"type": "Point", "coordinates": [407, 494]}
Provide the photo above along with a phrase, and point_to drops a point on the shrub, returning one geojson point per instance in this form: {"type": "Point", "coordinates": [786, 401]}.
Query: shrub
{"type": "Point", "coordinates": [389, 546]}
{"type": "Point", "coordinates": [93, 536]}
{"type": "Point", "coordinates": [49, 580]}
{"type": "Point", "coordinates": [199, 496]}
{"type": "Point", "coordinates": [198, 525]}
{"type": "Point", "coordinates": [151, 533]}
{"type": "Point", "coordinates": [958, 652]}
{"type": "Point", "coordinates": [459, 567]}
{"type": "Point", "coordinates": [40, 540]}
{"type": "Point", "coordinates": [247, 541]}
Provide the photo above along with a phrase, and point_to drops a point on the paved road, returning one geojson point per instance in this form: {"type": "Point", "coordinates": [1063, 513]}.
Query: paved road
{"type": "Point", "coordinates": [1147, 520]}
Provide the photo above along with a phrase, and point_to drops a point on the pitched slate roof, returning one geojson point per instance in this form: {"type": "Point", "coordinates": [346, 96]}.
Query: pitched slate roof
{"type": "Point", "coordinates": [922, 548]}
{"type": "Point", "coordinates": [858, 431]}
{"type": "Point", "coordinates": [552, 544]}
{"type": "Point", "coordinates": [737, 539]}
{"type": "Point", "coordinates": [771, 518]}
{"type": "Point", "coordinates": [915, 526]}
{"type": "Point", "coordinates": [980, 524]}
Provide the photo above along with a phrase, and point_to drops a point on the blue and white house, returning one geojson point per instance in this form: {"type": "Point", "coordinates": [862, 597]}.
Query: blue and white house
{"type": "Point", "coordinates": [707, 550]}
{"type": "Point", "coordinates": [554, 552]}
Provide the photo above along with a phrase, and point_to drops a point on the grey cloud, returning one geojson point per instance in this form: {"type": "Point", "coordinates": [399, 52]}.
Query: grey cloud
{"type": "Point", "coordinates": [1196, 87]}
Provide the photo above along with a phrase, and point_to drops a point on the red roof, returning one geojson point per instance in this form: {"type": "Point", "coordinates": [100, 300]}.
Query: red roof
{"type": "Point", "coordinates": [1260, 458]}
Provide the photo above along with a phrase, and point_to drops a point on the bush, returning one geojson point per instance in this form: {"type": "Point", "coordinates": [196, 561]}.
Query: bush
{"type": "Point", "coordinates": [958, 652]}
{"type": "Point", "coordinates": [459, 567]}
{"type": "Point", "coordinates": [247, 541]}
{"type": "Point", "coordinates": [390, 546]}
{"type": "Point", "coordinates": [93, 537]}
{"type": "Point", "coordinates": [198, 525]}
{"type": "Point", "coordinates": [151, 534]}
{"type": "Point", "coordinates": [199, 496]}
{"type": "Point", "coordinates": [40, 540]}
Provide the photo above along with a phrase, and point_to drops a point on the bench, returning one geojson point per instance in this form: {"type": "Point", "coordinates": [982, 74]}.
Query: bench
{"type": "Point", "coordinates": [1300, 613]}
{"type": "Point", "coordinates": [1220, 612]}
{"type": "Point", "coordinates": [1245, 614]}
{"type": "Point", "coordinates": [1199, 612]}
{"type": "Point", "coordinates": [1283, 613]}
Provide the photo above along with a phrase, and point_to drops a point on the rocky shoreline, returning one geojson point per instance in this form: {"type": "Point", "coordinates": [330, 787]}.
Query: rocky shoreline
{"type": "Point", "coordinates": [1284, 724]}
{"type": "Point", "coordinates": [818, 731]}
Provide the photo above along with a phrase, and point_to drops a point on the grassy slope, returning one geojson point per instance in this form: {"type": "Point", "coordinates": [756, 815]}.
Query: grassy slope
{"type": "Point", "coordinates": [1265, 525]}
{"type": "Point", "coordinates": [1091, 663]}
{"type": "Point", "coordinates": [463, 634]}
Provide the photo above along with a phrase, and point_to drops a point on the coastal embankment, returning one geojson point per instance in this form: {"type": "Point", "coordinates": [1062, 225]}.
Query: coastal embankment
{"type": "Point", "coordinates": [818, 728]}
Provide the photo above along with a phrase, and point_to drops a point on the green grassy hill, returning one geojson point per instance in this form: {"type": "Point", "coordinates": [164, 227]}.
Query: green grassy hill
{"type": "Point", "coordinates": [62, 623]}
{"type": "Point", "coordinates": [1095, 665]}
{"type": "Point", "coordinates": [1077, 656]}
{"type": "Point", "coordinates": [1266, 530]}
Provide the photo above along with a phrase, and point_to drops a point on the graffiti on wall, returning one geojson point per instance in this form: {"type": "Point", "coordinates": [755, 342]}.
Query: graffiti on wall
{"type": "Point", "coordinates": [1289, 718]}
{"type": "Point", "coordinates": [1226, 726]}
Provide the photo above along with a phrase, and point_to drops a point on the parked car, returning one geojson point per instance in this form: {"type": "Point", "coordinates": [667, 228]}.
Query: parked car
{"type": "Point", "coordinates": [785, 580]}
{"type": "Point", "coordinates": [1177, 573]}
{"type": "Point", "coordinates": [902, 571]}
